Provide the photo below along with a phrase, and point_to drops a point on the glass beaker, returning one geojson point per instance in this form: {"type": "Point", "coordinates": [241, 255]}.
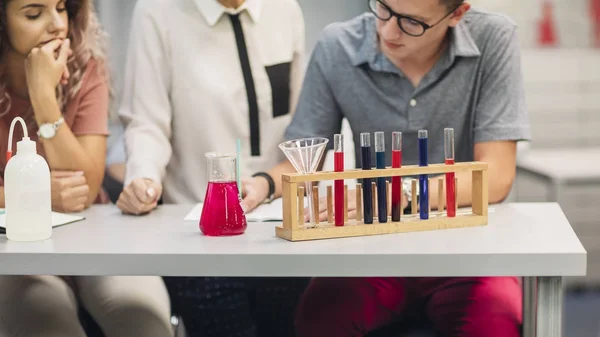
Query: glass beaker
{"type": "Point", "coordinates": [222, 213]}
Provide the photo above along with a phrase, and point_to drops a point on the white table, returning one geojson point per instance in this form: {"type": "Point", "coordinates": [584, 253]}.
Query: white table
{"type": "Point", "coordinates": [530, 240]}
{"type": "Point", "coordinates": [561, 167]}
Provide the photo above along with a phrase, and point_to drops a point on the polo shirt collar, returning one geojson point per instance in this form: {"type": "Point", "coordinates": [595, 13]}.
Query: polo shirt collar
{"type": "Point", "coordinates": [462, 43]}
{"type": "Point", "coordinates": [368, 49]}
{"type": "Point", "coordinates": [212, 10]}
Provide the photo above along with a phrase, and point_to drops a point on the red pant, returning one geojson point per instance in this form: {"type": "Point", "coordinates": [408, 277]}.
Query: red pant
{"type": "Point", "coordinates": [461, 307]}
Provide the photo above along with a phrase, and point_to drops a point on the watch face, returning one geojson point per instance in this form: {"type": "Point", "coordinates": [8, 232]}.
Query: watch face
{"type": "Point", "coordinates": [47, 131]}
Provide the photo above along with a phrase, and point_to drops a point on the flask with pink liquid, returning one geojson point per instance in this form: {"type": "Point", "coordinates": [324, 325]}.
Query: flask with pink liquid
{"type": "Point", "coordinates": [222, 214]}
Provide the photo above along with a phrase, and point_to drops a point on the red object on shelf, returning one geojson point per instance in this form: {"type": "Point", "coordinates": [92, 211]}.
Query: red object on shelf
{"type": "Point", "coordinates": [595, 17]}
{"type": "Point", "coordinates": [547, 26]}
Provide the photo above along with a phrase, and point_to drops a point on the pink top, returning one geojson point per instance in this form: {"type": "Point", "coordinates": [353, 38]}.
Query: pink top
{"type": "Point", "coordinates": [86, 113]}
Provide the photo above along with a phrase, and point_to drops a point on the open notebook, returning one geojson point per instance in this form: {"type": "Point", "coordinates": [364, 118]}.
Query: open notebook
{"type": "Point", "coordinates": [58, 219]}
{"type": "Point", "coordinates": [266, 212]}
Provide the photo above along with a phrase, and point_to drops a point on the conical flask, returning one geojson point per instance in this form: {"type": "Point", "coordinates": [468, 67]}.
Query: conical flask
{"type": "Point", "coordinates": [222, 213]}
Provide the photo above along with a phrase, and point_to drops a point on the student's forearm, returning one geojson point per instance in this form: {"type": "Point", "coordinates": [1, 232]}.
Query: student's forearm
{"type": "Point", "coordinates": [65, 152]}
{"type": "Point", "coordinates": [276, 172]}
{"type": "Point", "coordinates": [1, 196]}
{"type": "Point", "coordinates": [464, 190]}
{"type": "Point", "coordinates": [498, 188]}
{"type": "Point", "coordinates": [117, 171]}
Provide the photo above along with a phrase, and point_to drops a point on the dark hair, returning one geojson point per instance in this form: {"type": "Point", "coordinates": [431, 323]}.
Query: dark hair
{"type": "Point", "coordinates": [452, 3]}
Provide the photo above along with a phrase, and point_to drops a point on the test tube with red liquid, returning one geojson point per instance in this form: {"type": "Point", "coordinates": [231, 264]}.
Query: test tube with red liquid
{"type": "Point", "coordinates": [449, 160]}
{"type": "Point", "coordinates": [365, 149]}
{"type": "Point", "coordinates": [338, 185]}
{"type": "Point", "coordinates": [396, 181]}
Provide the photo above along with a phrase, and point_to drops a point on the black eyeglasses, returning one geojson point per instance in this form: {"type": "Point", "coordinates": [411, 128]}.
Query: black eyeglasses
{"type": "Point", "coordinates": [410, 26]}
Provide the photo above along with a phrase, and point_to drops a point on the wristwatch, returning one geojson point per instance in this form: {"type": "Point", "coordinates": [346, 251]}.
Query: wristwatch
{"type": "Point", "coordinates": [48, 130]}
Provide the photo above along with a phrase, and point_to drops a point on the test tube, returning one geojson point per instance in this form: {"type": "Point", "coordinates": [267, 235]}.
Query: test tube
{"type": "Point", "coordinates": [423, 178]}
{"type": "Point", "coordinates": [381, 185]}
{"type": "Point", "coordinates": [338, 166]}
{"type": "Point", "coordinates": [397, 180]}
{"type": "Point", "coordinates": [365, 148]}
{"type": "Point", "coordinates": [449, 160]}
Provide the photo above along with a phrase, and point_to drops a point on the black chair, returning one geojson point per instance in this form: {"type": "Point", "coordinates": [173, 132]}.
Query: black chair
{"type": "Point", "coordinates": [418, 327]}
{"type": "Point", "coordinates": [113, 187]}
{"type": "Point", "coordinates": [90, 326]}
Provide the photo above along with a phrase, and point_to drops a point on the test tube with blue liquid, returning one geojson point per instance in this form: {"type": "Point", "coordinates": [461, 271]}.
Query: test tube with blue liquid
{"type": "Point", "coordinates": [423, 178]}
{"type": "Point", "coordinates": [381, 182]}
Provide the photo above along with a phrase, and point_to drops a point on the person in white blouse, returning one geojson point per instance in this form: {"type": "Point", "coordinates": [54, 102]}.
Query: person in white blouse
{"type": "Point", "coordinates": [201, 74]}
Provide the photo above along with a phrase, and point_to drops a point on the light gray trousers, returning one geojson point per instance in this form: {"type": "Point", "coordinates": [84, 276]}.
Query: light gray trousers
{"type": "Point", "coordinates": [123, 306]}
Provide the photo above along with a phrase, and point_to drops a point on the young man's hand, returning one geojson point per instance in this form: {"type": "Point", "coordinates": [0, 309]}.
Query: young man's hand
{"type": "Point", "coordinates": [140, 196]}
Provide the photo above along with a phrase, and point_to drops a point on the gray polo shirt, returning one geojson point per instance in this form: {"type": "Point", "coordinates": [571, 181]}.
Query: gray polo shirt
{"type": "Point", "coordinates": [476, 88]}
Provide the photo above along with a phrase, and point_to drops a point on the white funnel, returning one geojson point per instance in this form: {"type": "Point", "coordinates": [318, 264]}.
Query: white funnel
{"type": "Point", "coordinates": [305, 154]}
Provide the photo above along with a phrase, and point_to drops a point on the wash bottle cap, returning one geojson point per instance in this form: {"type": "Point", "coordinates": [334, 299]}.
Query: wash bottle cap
{"type": "Point", "coordinates": [24, 146]}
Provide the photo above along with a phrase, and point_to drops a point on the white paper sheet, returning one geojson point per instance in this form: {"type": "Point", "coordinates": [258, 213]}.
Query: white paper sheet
{"type": "Point", "coordinates": [58, 219]}
{"type": "Point", "coordinates": [266, 212]}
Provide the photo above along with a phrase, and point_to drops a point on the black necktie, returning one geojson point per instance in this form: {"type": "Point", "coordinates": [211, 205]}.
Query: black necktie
{"type": "Point", "coordinates": [249, 81]}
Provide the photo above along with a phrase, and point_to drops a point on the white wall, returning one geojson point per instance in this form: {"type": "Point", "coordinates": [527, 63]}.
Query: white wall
{"type": "Point", "coordinates": [319, 13]}
{"type": "Point", "coordinates": [573, 20]}
{"type": "Point", "coordinates": [115, 17]}
{"type": "Point", "coordinates": [563, 96]}
{"type": "Point", "coordinates": [562, 83]}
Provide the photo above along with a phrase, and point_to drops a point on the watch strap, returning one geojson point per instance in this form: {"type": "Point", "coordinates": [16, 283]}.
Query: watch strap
{"type": "Point", "coordinates": [271, 182]}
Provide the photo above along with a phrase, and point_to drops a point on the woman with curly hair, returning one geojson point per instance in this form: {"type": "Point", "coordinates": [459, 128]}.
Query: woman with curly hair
{"type": "Point", "coordinates": [53, 73]}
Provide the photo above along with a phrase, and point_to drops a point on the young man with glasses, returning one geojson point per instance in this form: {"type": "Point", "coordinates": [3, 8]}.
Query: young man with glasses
{"type": "Point", "coordinates": [410, 65]}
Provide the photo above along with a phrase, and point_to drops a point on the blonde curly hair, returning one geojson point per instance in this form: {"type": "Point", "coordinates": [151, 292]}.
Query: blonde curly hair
{"type": "Point", "coordinates": [88, 41]}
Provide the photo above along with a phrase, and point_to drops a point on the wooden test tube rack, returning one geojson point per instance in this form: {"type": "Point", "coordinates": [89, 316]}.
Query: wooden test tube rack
{"type": "Point", "coordinates": [293, 227]}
